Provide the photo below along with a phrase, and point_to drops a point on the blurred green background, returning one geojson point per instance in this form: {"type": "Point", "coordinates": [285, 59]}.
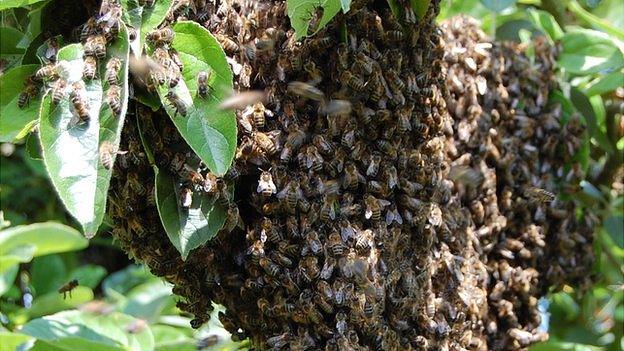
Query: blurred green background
{"type": "Point", "coordinates": [130, 301]}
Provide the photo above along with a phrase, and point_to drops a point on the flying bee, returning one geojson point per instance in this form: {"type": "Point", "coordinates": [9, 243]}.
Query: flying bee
{"type": "Point", "coordinates": [47, 72]}
{"type": "Point", "coordinates": [243, 99]}
{"type": "Point", "coordinates": [186, 197]}
{"type": "Point", "coordinates": [95, 46]}
{"type": "Point", "coordinates": [177, 102]}
{"type": "Point", "coordinates": [466, 175]}
{"type": "Point", "coordinates": [354, 82]}
{"type": "Point", "coordinates": [306, 90]}
{"type": "Point", "coordinates": [79, 103]}
{"type": "Point", "coordinates": [335, 107]}
{"type": "Point", "coordinates": [67, 288]}
{"type": "Point", "coordinates": [112, 70]}
{"type": "Point", "coordinates": [90, 68]}
{"type": "Point", "coordinates": [113, 98]}
{"type": "Point", "coordinates": [538, 195]}
{"type": "Point", "coordinates": [58, 91]}
{"type": "Point", "coordinates": [160, 36]}
{"type": "Point", "coordinates": [266, 185]}
{"type": "Point", "coordinates": [265, 142]}
{"type": "Point", "coordinates": [202, 83]}
{"type": "Point", "coordinates": [314, 19]}
{"type": "Point", "coordinates": [227, 44]}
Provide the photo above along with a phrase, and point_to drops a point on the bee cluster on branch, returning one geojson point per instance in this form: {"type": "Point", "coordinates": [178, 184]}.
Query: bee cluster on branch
{"type": "Point", "coordinates": [364, 215]}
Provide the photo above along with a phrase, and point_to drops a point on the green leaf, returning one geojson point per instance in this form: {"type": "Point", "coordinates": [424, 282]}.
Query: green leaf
{"type": "Point", "coordinates": [420, 7]}
{"type": "Point", "coordinates": [14, 341]}
{"type": "Point", "coordinates": [75, 330]}
{"type": "Point", "coordinates": [190, 228]}
{"type": "Point", "coordinates": [7, 277]}
{"type": "Point", "coordinates": [209, 131]}
{"type": "Point", "coordinates": [143, 19]}
{"type": "Point", "coordinates": [7, 4]}
{"type": "Point", "coordinates": [595, 21]}
{"type": "Point", "coordinates": [70, 150]}
{"type": "Point", "coordinates": [48, 273]}
{"type": "Point", "coordinates": [53, 302]}
{"type": "Point", "coordinates": [611, 11]}
{"type": "Point", "coordinates": [33, 147]}
{"type": "Point", "coordinates": [614, 225]}
{"type": "Point", "coordinates": [148, 300]}
{"type": "Point", "coordinates": [12, 118]}
{"type": "Point", "coordinates": [47, 238]}
{"type": "Point", "coordinates": [605, 83]}
{"type": "Point", "coordinates": [584, 106]}
{"type": "Point", "coordinates": [497, 5]}
{"type": "Point", "coordinates": [17, 254]}
{"type": "Point", "coordinates": [546, 23]}
{"type": "Point", "coordinates": [33, 29]}
{"type": "Point", "coordinates": [120, 282]}
{"type": "Point", "coordinates": [586, 51]}
{"type": "Point", "coordinates": [300, 11]}
{"type": "Point", "coordinates": [10, 52]}
{"type": "Point", "coordinates": [168, 338]}
{"type": "Point", "coordinates": [510, 30]}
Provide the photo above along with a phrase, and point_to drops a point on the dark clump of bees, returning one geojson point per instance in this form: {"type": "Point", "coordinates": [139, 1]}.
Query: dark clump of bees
{"type": "Point", "coordinates": [364, 215]}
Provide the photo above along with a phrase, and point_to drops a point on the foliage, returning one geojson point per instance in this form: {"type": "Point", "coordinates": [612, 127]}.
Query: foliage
{"type": "Point", "coordinates": [591, 68]}
{"type": "Point", "coordinates": [72, 148]}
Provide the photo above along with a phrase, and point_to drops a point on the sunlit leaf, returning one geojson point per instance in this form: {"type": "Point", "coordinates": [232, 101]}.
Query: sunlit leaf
{"type": "Point", "coordinates": [584, 106]}
{"type": "Point", "coordinates": [546, 23]}
{"type": "Point", "coordinates": [148, 300]}
{"type": "Point", "coordinates": [15, 341]}
{"type": "Point", "coordinates": [143, 19]}
{"type": "Point", "coordinates": [168, 338]}
{"type": "Point", "coordinates": [595, 21]}
{"type": "Point", "coordinates": [75, 330]}
{"type": "Point", "coordinates": [53, 301]}
{"type": "Point", "coordinates": [7, 4]}
{"type": "Point", "coordinates": [605, 84]}
{"type": "Point", "coordinates": [300, 13]}
{"type": "Point", "coordinates": [209, 131]}
{"type": "Point", "coordinates": [497, 5]}
{"type": "Point", "coordinates": [48, 273]}
{"type": "Point", "coordinates": [586, 51]}
{"type": "Point", "coordinates": [189, 228]}
{"type": "Point", "coordinates": [47, 238]}
{"type": "Point", "coordinates": [70, 149]}
{"type": "Point", "coordinates": [120, 282]}
{"type": "Point", "coordinates": [12, 118]}
{"type": "Point", "coordinates": [7, 277]}
{"type": "Point", "coordinates": [10, 51]}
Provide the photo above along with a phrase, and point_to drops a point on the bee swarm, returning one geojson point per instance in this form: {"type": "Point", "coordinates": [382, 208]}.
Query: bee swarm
{"type": "Point", "coordinates": [372, 218]}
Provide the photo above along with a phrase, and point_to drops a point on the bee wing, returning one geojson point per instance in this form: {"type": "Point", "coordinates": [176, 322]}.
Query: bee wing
{"type": "Point", "coordinates": [384, 203]}
{"type": "Point", "coordinates": [261, 186]}
{"type": "Point", "coordinates": [282, 194]}
{"type": "Point", "coordinates": [271, 185]}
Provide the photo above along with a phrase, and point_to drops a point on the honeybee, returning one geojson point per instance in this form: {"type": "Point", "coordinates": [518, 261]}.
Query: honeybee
{"type": "Point", "coordinates": [202, 84]}
{"type": "Point", "coordinates": [259, 115]}
{"type": "Point", "coordinates": [306, 90]}
{"type": "Point", "coordinates": [466, 175]}
{"type": "Point", "coordinates": [266, 185]}
{"type": "Point", "coordinates": [160, 36]}
{"type": "Point", "coordinates": [79, 103]}
{"type": "Point", "coordinates": [90, 67]}
{"type": "Point", "coordinates": [373, 207]}
{"type": "Point", "coordinates": [320, 44]}
{"type": "Point", "coordinates": [113, 98]}
{"type": "Point", "coordinates": [112, 70]}
{"type": "Point", "coordinates": [538, 195]}
{"type": "Point", "coordinates": [227, 44]}
{"type": "Point", "coordinates": [89, 28]}
{"type": "Point", "coordinates": [59, 91]}
{"type": "Point", "coordinates": [30, 90]}
{"type": "Point", "coordinates": [51, 49]}
{"type": "Point", "coordinates": [335, 245]}
{"type": "Point", "coordinates": [309, 268]}
{"type": "Point", "coordinates": [354, 82]}
{"type": "Point", "coordinates": [95, 46]}
{"type": "Point", "coordinates": [311, 159]}
{"type": "Point", "coordinates": [108, 151]}
{"type": "Point", "coordinates": [265, 142]}
{"type": "Point", "coordinates": [314, 19]}
{"type": "Point", "coordinates": [291, 195]}
{"type": "Point", "coordinates": [373, 165]}
{"type": "Point", "coordinates": [177, 102]}
{"type": "Point", "coordinates": [394, 35]}
{"type": "Point", "coordinates": [328, 210]}
{"type": "Point", "coordinates": [352, 177]}
{"type": "Point", "coordinates": [269, 267]}
{"type": "Point", "coordinates": [47, 72]}
{"type": "Point", "coordinates": [67, 288]}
